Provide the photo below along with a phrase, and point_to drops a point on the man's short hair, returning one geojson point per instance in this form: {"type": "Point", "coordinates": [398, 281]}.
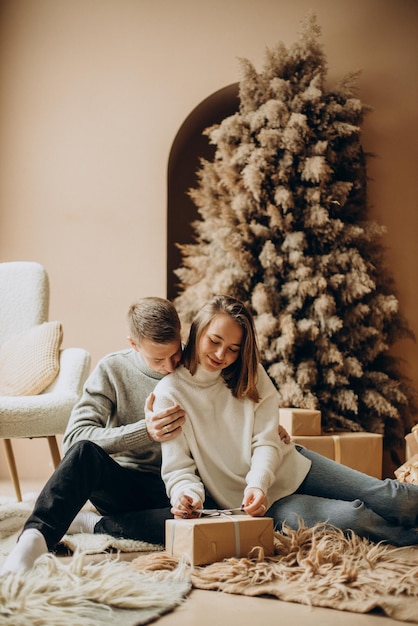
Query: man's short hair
{"type": "Point", "coordinates": [155, 319]}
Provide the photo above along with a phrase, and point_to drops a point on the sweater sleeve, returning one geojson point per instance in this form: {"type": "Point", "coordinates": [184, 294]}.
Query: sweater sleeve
{"type": "Point", "coordinates": [179, 471]}
{"type": "Point", "coordinates": [97, 416]}
{"type": "Point", "coordinates": [178, 468]}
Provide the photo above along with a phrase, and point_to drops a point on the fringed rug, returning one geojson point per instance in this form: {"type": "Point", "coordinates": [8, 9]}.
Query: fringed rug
{"type": "Point", "coordinates": [14, 514]}
{"type": "Point", "coordinates": [318, 567]}
{"type": "Point", "coordinates": [87, 594]}
{"type": "Point", "coordinates": [107, 591]}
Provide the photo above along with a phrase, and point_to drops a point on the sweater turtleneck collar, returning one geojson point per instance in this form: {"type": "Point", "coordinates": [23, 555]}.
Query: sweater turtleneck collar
{"type": "Point", "coordinates": [203, 378]}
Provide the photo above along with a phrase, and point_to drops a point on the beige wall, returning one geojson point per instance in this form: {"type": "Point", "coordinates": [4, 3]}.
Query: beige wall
{"type": "Point", "coordinates": [92, 95]}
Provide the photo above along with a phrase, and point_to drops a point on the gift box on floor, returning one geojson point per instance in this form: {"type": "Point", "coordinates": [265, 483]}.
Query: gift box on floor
{"type": "Point", "coordinates": [304, 422]}
{"type": "Point", "coordinates": [210, 539]}
{"type": "Point", "coordinates": [412, 443]}
{"type": "Point", "coordinates": [360, 451]}
{"type": "Point", "coordinates": [408, 472]}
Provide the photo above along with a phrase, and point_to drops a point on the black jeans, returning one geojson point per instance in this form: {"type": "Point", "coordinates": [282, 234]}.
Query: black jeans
{"type": "Point", "coordinates": [134, 504]}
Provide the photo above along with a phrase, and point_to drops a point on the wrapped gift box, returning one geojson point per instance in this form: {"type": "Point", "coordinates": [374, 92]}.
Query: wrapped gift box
{"type": "Point", "coordinates": [412, 443]}
{"type": "Point", "coordinates": [304, 422]}
{"type": "Point", "coordinates": [210, 539]}
{"type": "Point", "coordinates": [408, 472]}
{"type": "Point", "coordinates": [360, 451]}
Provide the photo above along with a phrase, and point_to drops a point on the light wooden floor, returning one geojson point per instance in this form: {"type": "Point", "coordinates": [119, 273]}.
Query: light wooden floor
{"type": "Point", "coordinates": [210, 608]}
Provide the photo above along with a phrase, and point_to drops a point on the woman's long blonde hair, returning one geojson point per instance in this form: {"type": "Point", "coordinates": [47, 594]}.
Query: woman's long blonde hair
{"type": "Point", "coordinates": [240, 376]}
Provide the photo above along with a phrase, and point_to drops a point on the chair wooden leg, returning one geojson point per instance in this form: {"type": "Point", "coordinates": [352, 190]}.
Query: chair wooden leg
{"type": "Point", "coordinates": [12, 468]}
{"type": "Point", "coordinates": [54, 450]}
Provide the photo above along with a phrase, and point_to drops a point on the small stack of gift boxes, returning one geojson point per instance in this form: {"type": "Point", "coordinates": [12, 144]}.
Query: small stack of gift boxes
{"type": "Point", "coordinates": [408, 472]}
{"type": "Point", "coordinates": [362, 451]}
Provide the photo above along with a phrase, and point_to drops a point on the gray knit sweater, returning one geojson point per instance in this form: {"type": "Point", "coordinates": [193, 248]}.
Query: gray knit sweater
{"type": "Point", "coordinates": [110, 411]}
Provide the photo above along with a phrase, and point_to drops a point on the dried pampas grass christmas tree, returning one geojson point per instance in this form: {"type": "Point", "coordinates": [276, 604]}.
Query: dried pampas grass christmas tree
{"type": "Point", "coordinates": [283, 226]}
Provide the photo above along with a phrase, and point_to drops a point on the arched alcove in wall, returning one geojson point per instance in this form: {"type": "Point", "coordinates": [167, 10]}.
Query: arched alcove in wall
{"type": "Point", "coordinates": [189, 146]}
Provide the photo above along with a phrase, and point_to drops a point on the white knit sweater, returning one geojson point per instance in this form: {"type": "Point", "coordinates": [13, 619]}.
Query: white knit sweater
{"type": "Point", "coordinates": [226, 443]}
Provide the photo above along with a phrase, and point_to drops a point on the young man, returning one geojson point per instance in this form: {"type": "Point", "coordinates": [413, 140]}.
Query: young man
{"type": "Point", "coordinates": [112, 444]}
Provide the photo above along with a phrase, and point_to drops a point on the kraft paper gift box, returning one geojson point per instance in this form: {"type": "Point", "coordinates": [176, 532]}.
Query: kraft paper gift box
{"type": "Point", "coordinates": [304, 422]}
{"type": "Point", "coordinates": [210, 539]}
{"type": "Point", "coordinates": [408, 472]}
{"type": "Point", "coordinates": [360, 451]}
{"type": "Point", "coordinates": [412, 443]}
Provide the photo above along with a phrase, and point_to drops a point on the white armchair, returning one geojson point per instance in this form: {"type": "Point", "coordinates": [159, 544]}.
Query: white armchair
{"type": "Point", "coordinates": [24, 304]}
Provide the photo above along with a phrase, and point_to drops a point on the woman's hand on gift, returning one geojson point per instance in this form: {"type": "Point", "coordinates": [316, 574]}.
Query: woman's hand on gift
{"type": "Point", "coordinates": [187, 507]}
{"type": "Point", "coordinates": [254, 502]}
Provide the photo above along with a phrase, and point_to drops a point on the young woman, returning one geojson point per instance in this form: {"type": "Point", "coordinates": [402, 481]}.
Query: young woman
{"type": "Point", "coordinates": [229, 456]}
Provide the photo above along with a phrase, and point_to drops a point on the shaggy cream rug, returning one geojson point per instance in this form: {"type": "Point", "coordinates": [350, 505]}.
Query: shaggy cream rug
{"type": "Point", "coordinates": [87, 594]}
{"type": "Point", "coordinates": [14, 514]}
{"type": "Point", "coordinates": [318, 567]}
{"type": "Point", "coordinates": [107, 591]}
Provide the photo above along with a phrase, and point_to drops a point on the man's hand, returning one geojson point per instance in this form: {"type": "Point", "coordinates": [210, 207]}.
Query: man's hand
{"type": "Point", "coordinates": [187, 508]}
{"type": "Point", "coordinates": [284, 435]}
{"type": "Point", "coordinates": [165, 425]}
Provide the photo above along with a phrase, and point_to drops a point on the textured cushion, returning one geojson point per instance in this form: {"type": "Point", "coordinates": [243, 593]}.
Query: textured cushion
{"type": "Point", "coordinates": [29, 362]}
